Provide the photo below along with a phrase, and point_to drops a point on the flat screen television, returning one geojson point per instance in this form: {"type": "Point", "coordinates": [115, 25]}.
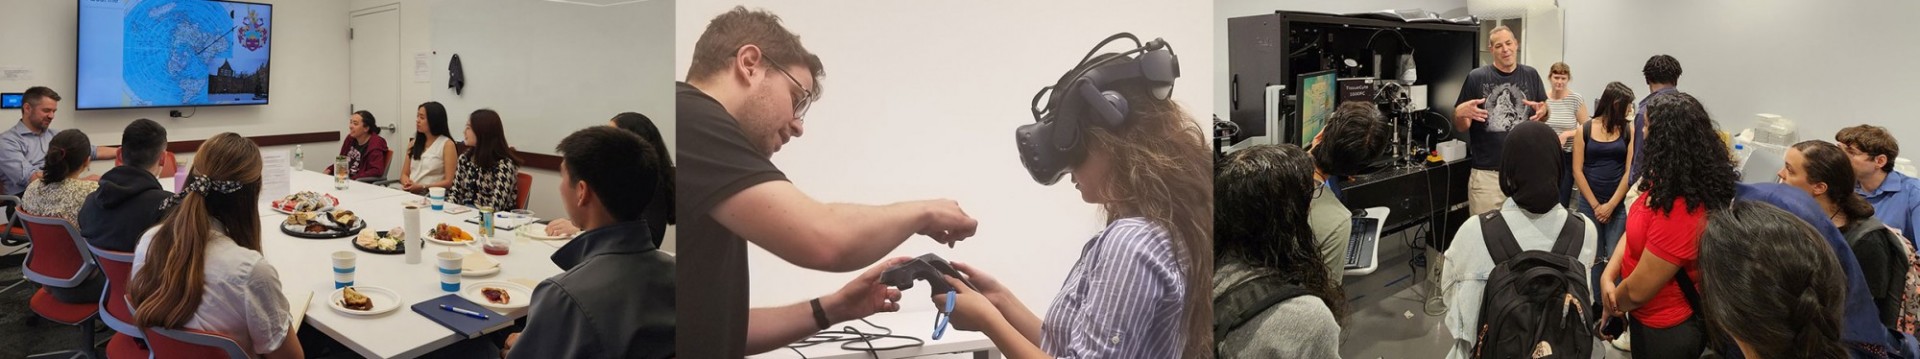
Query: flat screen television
{"type": "Point", "coordinates": [172, 53]}
{"type": "Point", "coordinates": [1318, 95]}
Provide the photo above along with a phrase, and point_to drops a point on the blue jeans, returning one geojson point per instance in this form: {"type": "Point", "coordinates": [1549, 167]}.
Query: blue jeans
{"type": "Point", "coordinates": [1609, 235]}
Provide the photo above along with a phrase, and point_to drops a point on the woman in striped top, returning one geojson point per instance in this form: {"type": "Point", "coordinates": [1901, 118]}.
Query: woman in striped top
{"type": "Point", "coordinates": [1141, 287]}
{"type": "Point", "coordinates": [1566, 111]}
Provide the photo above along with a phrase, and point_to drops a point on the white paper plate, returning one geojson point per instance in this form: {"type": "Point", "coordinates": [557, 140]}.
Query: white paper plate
{"type": "Point", "coordinates": [475, 241]}
{"type": "Point", "coordinates": [538, 231]}
{"type": "Point", "coordinates": [334, 202]}
{"type": "Point", "coordinates": [517, 295]}
{"type": "Point", "coordinates": [383, 300]}
{"type": "Point", "coordinates": [483, 272]}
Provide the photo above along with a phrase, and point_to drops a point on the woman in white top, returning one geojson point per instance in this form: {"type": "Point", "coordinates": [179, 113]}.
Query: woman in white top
{"type": "Point", "coordinates": [1566, 111]}
{"type": "Point", "coordinates": [428, 153]}
{"type": "Point", "coordinates": [207, 271]}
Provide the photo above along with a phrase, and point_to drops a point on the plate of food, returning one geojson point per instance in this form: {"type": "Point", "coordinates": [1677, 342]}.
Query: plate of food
{"type": "Point", "coordinates": [323, 225]}
{"type": "Point", "coordinates": [449, 235]}
{"type": "Point", "coordinates": [363, 300]}
{"type": "Point", "coordinates": [382, 242]}
{"type": "Point", "coordinates": [479, 264]}
{"type": "Point", "coordinates": [539, 231]}
{"type": "Point", "coordinates": [501, 295]}
{"type": "Point", "coordinates": [305, 201]}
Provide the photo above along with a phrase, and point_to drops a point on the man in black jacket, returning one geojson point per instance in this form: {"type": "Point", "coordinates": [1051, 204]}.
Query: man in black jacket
{"type": "Point", "coordinates": [129, 198]}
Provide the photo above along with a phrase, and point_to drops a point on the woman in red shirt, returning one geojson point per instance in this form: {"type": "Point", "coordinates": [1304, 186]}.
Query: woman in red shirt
{"type": "Point", "coordinates": [1688, 174]}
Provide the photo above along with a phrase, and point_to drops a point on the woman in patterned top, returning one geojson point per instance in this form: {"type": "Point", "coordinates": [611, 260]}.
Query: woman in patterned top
{"type": "Point", "coordinates": [486, 173]}
{"type": "Point", "coordinates": [1142, 287]}
{"type": "Point", "coordinates": [59, 193]}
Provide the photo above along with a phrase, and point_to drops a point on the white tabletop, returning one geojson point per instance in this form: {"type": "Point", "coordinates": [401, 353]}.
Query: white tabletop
{"type": "Point", "coordinates": [304, 264]}
{"type": "Point", "coordinates": [913, 324]}
{"type": "Point", "coordinates": [314, 181]}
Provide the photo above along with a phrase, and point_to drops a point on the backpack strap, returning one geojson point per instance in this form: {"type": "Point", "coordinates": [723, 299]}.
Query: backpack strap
{"type": "Point", "coordinates": [1499, 237]}
{"type": "Point", "coordinates": [1247, 300]}
{"type": "Point", "coordinates": [1687, 289]}
{"type": "Point", "coordinates": [1572, 236]}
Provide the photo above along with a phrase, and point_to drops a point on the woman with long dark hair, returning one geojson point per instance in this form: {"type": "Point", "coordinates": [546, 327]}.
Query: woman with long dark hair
{"type": "Point", "coordinates": [1601, 153]}
{"type": "Point", "coordinates": [1261, 230]}
{"type": "Point", "coordinates": [427, 165]}
{"type": "Point", "coordinates": [202, 269]}
{"type": "Point", "coordinates": [1688, 175]}
{"type": "Point", "coordinates": [1823, 170]}
{"type": "Point", "coordinates": [1140, 289]}
{"type": "Point", "coordinates": [1754, 248]}
{"type": "Point", "coordinates": [366, 152]}
{"type": "Point", "coordinates": [486, 174]}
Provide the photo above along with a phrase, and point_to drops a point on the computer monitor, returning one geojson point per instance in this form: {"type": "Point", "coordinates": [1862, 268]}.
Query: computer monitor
{"type": "Point", "coordinates": [11, 100]}
{"type": "Point", "coordinates": [1318, 94]}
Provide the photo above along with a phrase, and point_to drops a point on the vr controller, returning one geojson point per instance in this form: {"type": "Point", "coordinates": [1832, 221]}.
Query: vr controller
{"type": "Point", "coordinates": [929, 267]}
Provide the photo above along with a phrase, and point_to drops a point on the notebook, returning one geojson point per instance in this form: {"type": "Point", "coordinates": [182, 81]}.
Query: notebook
{"type": "Point", "coordinates": [467, 327]}
{"type": "Point", "coordinates": [297, 302]}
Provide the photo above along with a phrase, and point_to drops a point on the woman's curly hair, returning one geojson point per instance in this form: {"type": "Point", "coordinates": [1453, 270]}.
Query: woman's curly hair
{"type": "Point", "coordinates": [1685, 157]}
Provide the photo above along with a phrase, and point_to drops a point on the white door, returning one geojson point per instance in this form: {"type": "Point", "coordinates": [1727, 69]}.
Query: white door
{"type": "Point", "coordinates": [374, 76]}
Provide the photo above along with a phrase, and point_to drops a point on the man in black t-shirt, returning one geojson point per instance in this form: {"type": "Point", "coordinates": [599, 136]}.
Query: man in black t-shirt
{"type": "Point", "coordinates": [1494, 99]}
{"type": "Point", "coordinates": [746, 95]}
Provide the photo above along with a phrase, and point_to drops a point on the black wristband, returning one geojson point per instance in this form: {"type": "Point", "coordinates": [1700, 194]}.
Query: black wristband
{"type": "Point", "coordinates": [819, 315]}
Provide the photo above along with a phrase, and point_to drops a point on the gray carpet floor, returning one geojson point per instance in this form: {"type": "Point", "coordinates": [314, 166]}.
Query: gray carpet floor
{"type": "Point", "coordinates": [23, 333]}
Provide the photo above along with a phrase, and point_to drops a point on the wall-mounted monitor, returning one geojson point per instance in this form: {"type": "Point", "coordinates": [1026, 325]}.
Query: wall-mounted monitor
{"type": "Point", "coordinates": [172, 53]}
{"type": "Point", "coordinates": [11, 100]}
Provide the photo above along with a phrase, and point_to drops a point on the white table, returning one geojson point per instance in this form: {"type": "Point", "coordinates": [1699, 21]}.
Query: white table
{"type": "Point", "coordinates": [913, 324]}
{"type": "Point", "coordinates": [314, 181]}
{"type": "Point", "coordinates": [305, 264]}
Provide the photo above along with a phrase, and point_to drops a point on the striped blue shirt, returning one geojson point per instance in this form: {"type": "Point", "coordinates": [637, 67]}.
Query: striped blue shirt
{"type": "Point", "coordinates": [1123, 299]}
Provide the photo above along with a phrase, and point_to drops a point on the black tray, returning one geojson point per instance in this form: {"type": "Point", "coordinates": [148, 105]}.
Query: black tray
{"type": "Point", "coordinates": [400, 250]}
{"type": "Point", "coordinates": [359, 225]}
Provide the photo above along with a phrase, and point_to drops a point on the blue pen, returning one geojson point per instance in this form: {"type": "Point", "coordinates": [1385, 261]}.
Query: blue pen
{"type": "Point", "coordinates": [940, 327]}
{"type": "Point", "coordinates": [475, 315]}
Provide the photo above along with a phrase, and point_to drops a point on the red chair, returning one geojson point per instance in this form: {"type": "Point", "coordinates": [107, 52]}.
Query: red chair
{"type": "Point", "coordinates": [124, 346]}
{"type": "Point", "coordinates": [57, 261]}
{"type": "Point", "coordinates": [192, 343]}
{"type": "Point", "coordinates": [114, 308]}
{"type": "Point", "coordinates": [523, 184]}
{"type": "Point", "coordinates": [168, 164]}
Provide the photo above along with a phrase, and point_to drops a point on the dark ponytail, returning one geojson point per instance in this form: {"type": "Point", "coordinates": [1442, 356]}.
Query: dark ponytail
{"type": "Point", "coordinates": [1768, 280]}
{"type": "Point", "coordinates": [69, 152]}
{"type": "Point", "coordinates": [1826, 163]}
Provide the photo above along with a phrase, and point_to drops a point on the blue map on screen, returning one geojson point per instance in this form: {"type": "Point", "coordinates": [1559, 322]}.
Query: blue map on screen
{"type": "Point", "coordinates": [171, 53]}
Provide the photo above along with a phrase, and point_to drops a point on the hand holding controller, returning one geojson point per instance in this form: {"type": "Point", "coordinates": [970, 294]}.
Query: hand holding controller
{"type": "Point", "coordinates": [930, 268]}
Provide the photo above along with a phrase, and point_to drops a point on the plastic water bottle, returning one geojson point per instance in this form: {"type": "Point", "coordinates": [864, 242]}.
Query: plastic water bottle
{"type": "Point", "coordinates": [1740, 155]}
{"type": "Point", "coordinates": [299, 158]}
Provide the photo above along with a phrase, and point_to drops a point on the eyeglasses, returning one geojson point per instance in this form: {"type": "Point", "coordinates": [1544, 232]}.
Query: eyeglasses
{"type": "Point", "coordinates": [801, 101]}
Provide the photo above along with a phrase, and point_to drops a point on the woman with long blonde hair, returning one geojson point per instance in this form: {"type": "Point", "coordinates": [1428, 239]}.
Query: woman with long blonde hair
{"type": "Point", "coordinates": [201, 268]}
{"type": "Point", "coordinates": [1142, 287]}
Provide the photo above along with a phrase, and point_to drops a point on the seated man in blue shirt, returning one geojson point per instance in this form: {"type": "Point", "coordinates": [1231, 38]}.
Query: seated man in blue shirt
{"type": "Point", "coordinates": [1895, 197]}
{"type": "Point", "coordinates": [1861, 324]}
{"type": "Point", "coordinates": [616, 298]}
{"type": "Point", "coordinates": [24, 147]}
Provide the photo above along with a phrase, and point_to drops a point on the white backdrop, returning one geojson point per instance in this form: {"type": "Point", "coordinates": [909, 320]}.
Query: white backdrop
{"type": "Point", "coordinates": [1827, 65]}
{"type": "Point", "coordinates": [922, 99]}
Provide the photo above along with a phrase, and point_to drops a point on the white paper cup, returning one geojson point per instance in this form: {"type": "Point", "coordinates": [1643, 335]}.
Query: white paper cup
{"type": "Point", "coordinates": [344, 260]}
{"type": "Point", "coordinates": [449, 264]}
{"type": "Point", "coordinates": [440, 192]}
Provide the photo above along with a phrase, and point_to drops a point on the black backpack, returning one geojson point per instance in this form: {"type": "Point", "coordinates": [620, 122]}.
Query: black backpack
{"type": "Point", "coordinates": [1244, 301]}
{"type": "Point", "coordinates": [1535, 304]}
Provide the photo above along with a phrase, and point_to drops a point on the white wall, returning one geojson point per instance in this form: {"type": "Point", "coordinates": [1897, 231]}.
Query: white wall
{"type": "Point", "coordinates": [309, 55]}
{"type": "Point", "coordinates": [1826, 65]}
{"type": "Point", "coordinates": [922, 103]}
{"type": "Point", "coordinates": [1226, 9]}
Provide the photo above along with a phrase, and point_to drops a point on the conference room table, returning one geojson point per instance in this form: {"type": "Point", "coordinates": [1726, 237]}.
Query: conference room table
{"type": "Point", "coordinates": [305, 267]}
{"type": "Point", "coordinates": [917, 325]}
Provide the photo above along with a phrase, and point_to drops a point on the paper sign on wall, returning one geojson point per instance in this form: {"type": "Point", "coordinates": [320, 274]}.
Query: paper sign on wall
{"type": "Point", "coordinates": [276, 173]}
{"type": "Point", "coordinates": [422, 69]}
{"type": "Point", "coordinates": [15, 73]}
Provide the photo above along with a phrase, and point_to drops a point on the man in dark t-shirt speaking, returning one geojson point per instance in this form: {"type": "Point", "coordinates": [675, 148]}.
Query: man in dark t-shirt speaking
{"type": "Point", "coordinates": [746, 94]}
{"type": "Point", "coordinates": [1493, 100]}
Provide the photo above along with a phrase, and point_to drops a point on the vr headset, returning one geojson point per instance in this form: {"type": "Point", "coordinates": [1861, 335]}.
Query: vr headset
{"type": "Point", "coordinates": [1057, 140]}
